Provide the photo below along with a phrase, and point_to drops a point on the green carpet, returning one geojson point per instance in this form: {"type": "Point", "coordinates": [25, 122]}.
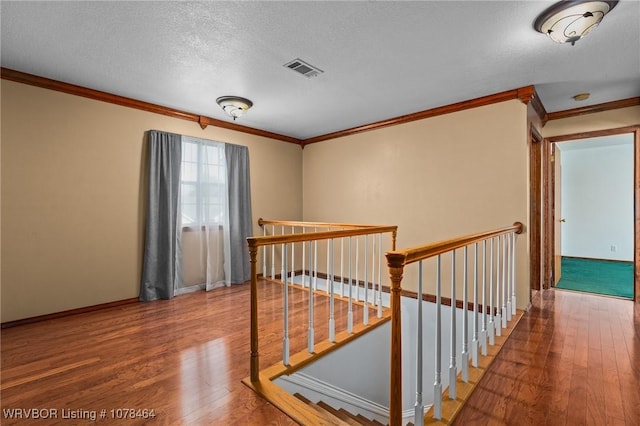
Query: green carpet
{"type": "Point", "coordinates": [597, 276]}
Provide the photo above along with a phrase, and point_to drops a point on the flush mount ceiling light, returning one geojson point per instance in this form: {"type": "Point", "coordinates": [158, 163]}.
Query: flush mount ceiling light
{"type": "Point", "coordinates": [581, 97]}
{"type": "Point", "coordinates": [234, 106]}
{"type": "Point", "coordinates": [570, 20]}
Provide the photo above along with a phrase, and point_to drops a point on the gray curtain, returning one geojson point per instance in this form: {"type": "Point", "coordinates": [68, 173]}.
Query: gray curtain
{"type": "Point", "coordinates": [162, 268]}
{"type": "Point", "coordinates": [240, 226]}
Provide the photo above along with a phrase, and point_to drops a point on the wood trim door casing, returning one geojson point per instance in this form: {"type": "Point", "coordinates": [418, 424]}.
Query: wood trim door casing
{"type": "Point", "coordinates": [636, 188]}
{"type": "Point", "coordinates": [549, 214]}
{"type": "Point", "coordinates": [590, 109]}
{"type": "Point", "coordinates": [550, 199]}
{"type": "Point", "coordinates": [535, 206]}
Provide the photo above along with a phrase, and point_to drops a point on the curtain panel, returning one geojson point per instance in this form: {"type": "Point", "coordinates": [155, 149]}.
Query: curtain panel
{"type": "Point", "coordinates": [240, 216]}
{"type": "Point", "coordinates": [162, 258]}
{"type": "Point", "coordinates": [202, 188]}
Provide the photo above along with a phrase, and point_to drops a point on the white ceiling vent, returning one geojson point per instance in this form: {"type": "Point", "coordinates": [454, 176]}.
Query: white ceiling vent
{"type": "Point", "coordinates": [301, 67]}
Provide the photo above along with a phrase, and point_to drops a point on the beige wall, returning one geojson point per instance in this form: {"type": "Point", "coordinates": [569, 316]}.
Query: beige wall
{"type": "Point", "coordinates": [592, 122]}
{"type": "Point", "coordinates": [435, 178]}
{"type": "Point", "coordinates": [73, 196]}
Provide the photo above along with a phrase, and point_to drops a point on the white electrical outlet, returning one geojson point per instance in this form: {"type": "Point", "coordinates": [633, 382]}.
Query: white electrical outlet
{"type": "Point", "coordinates": [613, 248]}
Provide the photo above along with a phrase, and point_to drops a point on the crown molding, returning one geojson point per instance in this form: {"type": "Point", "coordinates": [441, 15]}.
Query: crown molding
{"type": "Point", "coordinates": [72, 89]}
{"type": "Point", "coordinates": [523, 94]}
{"type": "Point", "coordinates": [529, 95]}
{"type": "Point", "coordinates": [590, 109]}
{"type": "Point", "coordinates": [539, 108]}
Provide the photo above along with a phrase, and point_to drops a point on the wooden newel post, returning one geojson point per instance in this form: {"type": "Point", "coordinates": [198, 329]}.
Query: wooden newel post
{"type": "Point", "coordinates": [253, 259]}
{"type": "Point", "coordinates": [395, 261]}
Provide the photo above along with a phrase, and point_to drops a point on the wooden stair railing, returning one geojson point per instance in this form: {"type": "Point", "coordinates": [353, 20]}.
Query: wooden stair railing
{"type": "Point", "coordinates": [398, 260]}
{"type": "Point", "coordinates": [452, 406]}
{"type": "Point", "coordinates": [308, 415]}
{"type": "Point", "coordinates": [260, 380]}
{"type": "Point", "coordinates": [254, 243]}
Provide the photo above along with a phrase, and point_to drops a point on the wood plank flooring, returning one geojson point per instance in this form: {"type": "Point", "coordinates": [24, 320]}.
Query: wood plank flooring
{"type": "Point", "coordinates": [184, 358]}
{"type": "Point", "coordinates": [574, 359]}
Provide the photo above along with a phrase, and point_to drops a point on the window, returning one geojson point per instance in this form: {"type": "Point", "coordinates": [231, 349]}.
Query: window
{"type": "Point", "coordinates": [202, 183]}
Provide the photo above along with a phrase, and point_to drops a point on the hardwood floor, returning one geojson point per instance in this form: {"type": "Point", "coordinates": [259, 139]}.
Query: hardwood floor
{"type": "Point", "coordinates": [183, 358]}
{"type": "Point", "coordinates": [574, 359]}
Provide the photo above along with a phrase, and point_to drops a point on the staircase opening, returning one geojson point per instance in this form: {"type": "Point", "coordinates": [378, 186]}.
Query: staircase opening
{"type": "Point", "coordinates": [375, 350]}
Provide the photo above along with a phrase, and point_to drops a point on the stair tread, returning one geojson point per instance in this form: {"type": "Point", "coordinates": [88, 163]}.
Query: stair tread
{"type": "Point", "coordinates": [302, 398]}
{"type": "Point", "coordinates": [347, 413]}
{"type": "Point", "coordinates": [338, 413]}
{"type": "Point", "coordinates": [365, 421]}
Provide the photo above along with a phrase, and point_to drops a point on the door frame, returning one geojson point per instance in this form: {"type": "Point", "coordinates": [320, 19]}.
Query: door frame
{"type": "Point", "coordinates": [548, 213]}
{"type": "Point", "coordinates": [535, 206]}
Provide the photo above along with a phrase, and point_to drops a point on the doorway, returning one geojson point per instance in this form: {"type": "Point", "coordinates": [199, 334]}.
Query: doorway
{"type": "Point", "coordinates": [593, 211]}
{"type": "Point", "coordinates": [550, 216]}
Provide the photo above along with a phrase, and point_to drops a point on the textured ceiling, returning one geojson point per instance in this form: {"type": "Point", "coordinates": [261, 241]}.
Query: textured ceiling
{"type": "Point", "coordinates": [380, 59]}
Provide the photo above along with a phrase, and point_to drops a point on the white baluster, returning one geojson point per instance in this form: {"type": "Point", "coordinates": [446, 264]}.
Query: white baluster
{"type": "Point", "coordinates": [341, 267]}
{"type": "Point", "coordinates": [437, 385]}
{"type": "Point", "coordinates": [508, 279]}
{"type": "Point", "coordinates": [474, 342]}
{"type": "Point", "coordinates": [284, 254]}
{"type": "Point", "coordinates": [350, 311]}
{"type": "Point", "coordinates": [304, 272]}
{"type": "Point", "coordinates": [492, 328]}
{"type": "Point", "coordinates": [273, 255]}
{"type": "Point", "coordinates": [365, 312]}
{"type": "Point", "coordinates": [285, 339]}
{"type": "Point", "coordinates": [310, 330]}
{"type": "Point", "coordinates": [483, 332]}
{"type": "Point", "coordinates": [453, 370]}
{"type": "Point", "coordinates": [504, 281]}
{"type": "Point", "coordinates": [373, 269]}
{"type": "Point", "coordinates": [465, 317]}
{"type": "Point", "coordinates": [418, 407]}
{"type": "Point", "coordinates": [498, 282]}
{"type": "Point", "coordinates": [327, 266]}
{"type": "Point", "coordinates": [293, 258]}
{"type": "Point", "coordinates": [264, 254]}
{"type": "Point", "coordinates": [332, 320]}
{"type": "Point", "coordinates": [315, 262]}
{"type": "Point", "coordinates": [357, 268]}
{"type": "Point", "coordinates": [381, 254]}
{"type": "Point", "coordinates": [513, 274]}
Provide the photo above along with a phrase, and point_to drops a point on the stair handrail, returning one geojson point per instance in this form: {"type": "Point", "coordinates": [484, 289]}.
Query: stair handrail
{"type": "Point", "coordinates": [396, 261]}
{"type": "Point", "coordinates": [255, 242]}
{"type": "Point", "coordinates": [262, 222]}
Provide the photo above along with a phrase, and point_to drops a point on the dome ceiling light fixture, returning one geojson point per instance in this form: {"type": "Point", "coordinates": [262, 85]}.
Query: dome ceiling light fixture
{"type": "Point", "coordinates": [234, 106]}
{"type": "Point", "coordinates": [570, 20]}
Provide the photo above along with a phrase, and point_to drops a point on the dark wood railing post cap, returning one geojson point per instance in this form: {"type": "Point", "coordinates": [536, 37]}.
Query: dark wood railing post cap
{"type": "Point", "coordinates": [395, 260]}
